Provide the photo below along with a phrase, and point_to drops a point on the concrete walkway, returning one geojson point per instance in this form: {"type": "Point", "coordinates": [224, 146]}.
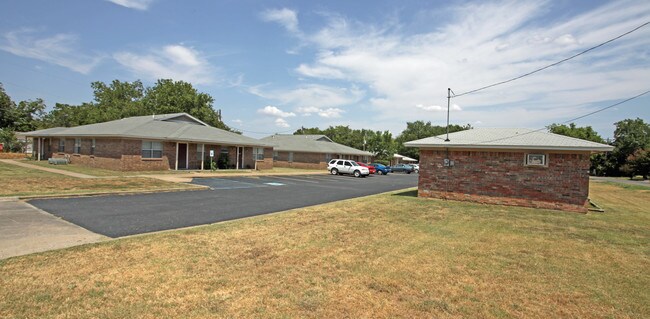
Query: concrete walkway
{"type": "Point", "coordinates": [47, 169]}
{"type": "Point", "coordinates": [25, 229]}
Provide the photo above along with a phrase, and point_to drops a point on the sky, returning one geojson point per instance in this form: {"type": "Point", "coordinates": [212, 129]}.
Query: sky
{"type": "Point", "coordinates": [275, 66]}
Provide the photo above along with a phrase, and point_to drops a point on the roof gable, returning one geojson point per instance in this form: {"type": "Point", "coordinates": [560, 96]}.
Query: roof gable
{"type": "Point", "coordinates": [310, 144]}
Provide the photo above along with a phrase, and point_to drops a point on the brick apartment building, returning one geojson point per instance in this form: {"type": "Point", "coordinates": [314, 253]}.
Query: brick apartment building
{"type": "Point", "coordinates": [310, 151]}
{"type": "Point", "coordinates": [518, 167]}
{"type": "Point", "coordinates": [161, 142]}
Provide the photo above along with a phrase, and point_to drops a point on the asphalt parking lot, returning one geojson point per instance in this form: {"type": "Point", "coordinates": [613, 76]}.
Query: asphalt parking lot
{"type": "Point", "coordinates": [228, 198]}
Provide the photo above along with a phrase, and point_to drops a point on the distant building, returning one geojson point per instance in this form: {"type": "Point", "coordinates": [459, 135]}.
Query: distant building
{"type": "Point", "coordinates": [310, 151]}
{"type": "Point", "coordinates": [161, 142]}
{"type": "Point", "coordinates": [507, 166]}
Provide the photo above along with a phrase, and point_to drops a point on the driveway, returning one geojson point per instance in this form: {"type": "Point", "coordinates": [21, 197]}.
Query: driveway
{"type": "Point", "coordinates": [228, 198]}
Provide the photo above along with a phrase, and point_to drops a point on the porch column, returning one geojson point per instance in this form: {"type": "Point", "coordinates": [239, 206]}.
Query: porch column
{"type": "Point", "coordinates": [202, 155]}
{"type": "Point", "coordinates": [237, 157]}
{"type": "Point", "coordinates": [38, 150]}
{"type": "Point", "coordinates": [176, 162]}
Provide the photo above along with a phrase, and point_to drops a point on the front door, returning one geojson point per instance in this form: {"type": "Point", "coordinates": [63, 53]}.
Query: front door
{"type": "Point", "coordinates": [182, 156]}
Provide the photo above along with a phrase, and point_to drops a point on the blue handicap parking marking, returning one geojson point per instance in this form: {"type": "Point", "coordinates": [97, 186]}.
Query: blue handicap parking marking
{"type": "Point", "coordinates": [223, 183]}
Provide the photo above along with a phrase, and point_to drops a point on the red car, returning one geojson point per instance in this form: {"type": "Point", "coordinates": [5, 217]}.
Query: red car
{"type": "Point", "coordinates": [370, 167]}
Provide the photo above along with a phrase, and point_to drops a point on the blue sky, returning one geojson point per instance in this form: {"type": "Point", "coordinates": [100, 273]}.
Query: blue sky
{"type": "Point", "coordinates": [274, 66]}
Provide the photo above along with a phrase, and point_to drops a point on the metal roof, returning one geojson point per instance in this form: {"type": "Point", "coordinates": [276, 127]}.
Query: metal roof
{"type": "Point", "coordinates": [180, 127]}
{"type": "Point", "coordinates": [310, 144]}
{"type": "Point", "coordinates": [509, 138]}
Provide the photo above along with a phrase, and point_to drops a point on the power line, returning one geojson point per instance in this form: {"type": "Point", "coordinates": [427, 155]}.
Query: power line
{"type": "Point", "coordinates": [571, 120]}
{"type": "Point", "coordinates": [553, 64]}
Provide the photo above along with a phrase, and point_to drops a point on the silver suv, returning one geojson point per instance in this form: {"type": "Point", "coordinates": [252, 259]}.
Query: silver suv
{"type": "Point", "coordinates": [342, 166]}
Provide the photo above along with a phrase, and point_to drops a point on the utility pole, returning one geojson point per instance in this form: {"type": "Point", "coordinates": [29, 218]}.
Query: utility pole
{"type": "Point", "coordinates": [448, 101]}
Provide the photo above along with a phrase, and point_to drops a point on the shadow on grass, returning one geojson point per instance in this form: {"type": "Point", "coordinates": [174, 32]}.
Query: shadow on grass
{"type": "Point", "coordinates": [410, 193]}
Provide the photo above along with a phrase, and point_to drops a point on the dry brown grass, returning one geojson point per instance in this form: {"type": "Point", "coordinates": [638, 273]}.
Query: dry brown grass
{"type": "Point", "coordinates": [377, 257]}
{"type": "Point", "coordinates": [19, 181]}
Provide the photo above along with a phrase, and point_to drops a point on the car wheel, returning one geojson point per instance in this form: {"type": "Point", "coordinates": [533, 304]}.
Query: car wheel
{"type": "Point", "coordinates": [379, 172]}
{"type": "Point", "coordinates": [408, 172]}
{"type": "Point", "coordinates": [357, 174]}
{"type": "Point", "coordinates": [417, 171]}
{"type": "Point", "coordinates": [334, 171]}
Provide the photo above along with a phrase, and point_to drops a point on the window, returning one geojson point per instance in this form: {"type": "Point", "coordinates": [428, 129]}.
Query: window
{"type": "Point", "coordinates": [77, 146]}
{"type": "Point", "coordinates": [328, 157]}
{"type": "Point", "coordinates": [92, 147]}
{"type": "Point", "coordinates": [62, 145]}
{"type": "Point", "coordinates": [258, 153]}
{"type": "Point", "coordinates": [200, 150]}
{"type": "Point", "coordinates": [151, 149]}
{"type": "Point", "coordinates": [275, 155]}
{"type": "Point", "coordinates": [535, 159]}
{"type": "Point", "coordinates": [339, 163]}
{"type": "Point", "coordinates": [290, 156]}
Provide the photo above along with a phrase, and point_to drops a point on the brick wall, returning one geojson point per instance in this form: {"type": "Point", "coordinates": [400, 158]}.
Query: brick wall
{"type": "Point", "coordinates": [500, 177]}
{"type": "Point", "coordinates": [301, 160]}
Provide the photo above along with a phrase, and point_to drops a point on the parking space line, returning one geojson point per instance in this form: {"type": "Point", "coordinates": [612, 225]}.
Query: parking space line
{"type": "Point", "coordinates": [295, 179]}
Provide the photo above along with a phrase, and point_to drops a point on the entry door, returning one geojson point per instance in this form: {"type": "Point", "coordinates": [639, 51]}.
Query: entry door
{"type": "Point", "coordinates": [240, 157]}
{"type": "Point", "coordinates": [182, 156]}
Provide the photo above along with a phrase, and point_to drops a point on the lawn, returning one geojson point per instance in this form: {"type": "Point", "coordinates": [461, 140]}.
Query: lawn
{"type": "Point", "coordinates": [20, 181]}
{"type": "Point", "coordinates": [389, 255]}
{"type": "Point", "coordinates": [106, 172]}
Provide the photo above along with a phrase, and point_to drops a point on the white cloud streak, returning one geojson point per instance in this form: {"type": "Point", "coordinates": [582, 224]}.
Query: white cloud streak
{"type": "Point", "coordinates": [61, 49]}
{"type": "Point", "coordinates": [274, 111]}
{"type": "Point", "coordinates": [133, 4]}
{"type": "Point", "coordinates": [481, 43]}
{"type": "Point", "coordinates": [176, 62]}
{"type": "Point", "coordinates": [286, 17]}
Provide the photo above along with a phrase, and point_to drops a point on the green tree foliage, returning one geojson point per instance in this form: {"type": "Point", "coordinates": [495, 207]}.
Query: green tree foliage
{"type": "Point", "coordinates": [585, 133]}
{"type": "Point", "coordinates": [6, 107]}
{"type": "Point", "coordinates": [119, 99]}
{"type": "Point", "coordinates": [637, 164]}
{"type": "Point", "coordinates": [377, 142]}
{"type": "Point", "coordinates": [168, 96]}
{"type": "Point", "coordinates": [418, 130]}
{"type": "Point", "coordinates": [631, 141]}
{"type": "Point", "coordinates": [22, 117]}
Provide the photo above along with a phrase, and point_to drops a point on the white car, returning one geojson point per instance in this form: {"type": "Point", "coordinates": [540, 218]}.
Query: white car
{"type": "Point", "coordinates": [342, 166]}
{"type": "Point", "coordinates": [416, 168]}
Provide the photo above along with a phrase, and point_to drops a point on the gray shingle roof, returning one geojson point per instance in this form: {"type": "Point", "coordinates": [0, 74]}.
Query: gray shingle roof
{"type": "Point", "coordinates": [310, 144]}
{"type": "Point", "coordinates": [509, 138]}
{"type": "Point", "coordinates": [180, 127]}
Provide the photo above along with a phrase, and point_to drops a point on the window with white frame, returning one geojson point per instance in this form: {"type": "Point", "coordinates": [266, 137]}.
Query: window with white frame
{"type": "Point", "coordinates": [62, 145]}
{"type": "Point", "coordinates": [151, 149]}
{"type": "Point", "coordinates": [92, 147]}
{"type": "Point", "coordinates": [258, 153]}
{"type": "Point", "coordinates": [275, 155]}
{"type": "Point", "coordinates": [535, 159]}
{"type": "Point", "coordinates": [77, 146]}
{"type": "Point", "coordinates": [290, 156]}
{"type": "Point", "coordinates": [200, 151]}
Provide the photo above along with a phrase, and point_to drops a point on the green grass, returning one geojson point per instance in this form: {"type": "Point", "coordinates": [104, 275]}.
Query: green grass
{"type": "Point", "coordinates": [390, 255]}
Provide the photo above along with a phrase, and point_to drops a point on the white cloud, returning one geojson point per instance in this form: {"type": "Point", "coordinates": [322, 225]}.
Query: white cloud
{"type": "Point", "coordinates": [61, 49]}
{"type": "Point", "coordinates": [331, 112]}
{"type": "Point", "coordinates": [274, 111]}
{"type": "Point", "coordinates": [175, 62]}
{"type": "Point", "coordinates": [133, 4]}
{"type": "Point", "coordinates": [280, 122]}
{"type": "Point", "coordinates": [313, 95]}
{"type": "Point", "coordinates": [237, 121]}
{"type": "Point", "coordinates": [286, 17]}
{"type": "Point", "coordinates": [480, 43]}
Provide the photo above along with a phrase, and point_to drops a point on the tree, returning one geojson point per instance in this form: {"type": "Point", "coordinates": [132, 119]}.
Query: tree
{"type": "Point", "coordinates": [585, 133]}
{"type": "Point", "coordinates": [118, 100]}
{"type": "Point", "coordinates": [168, 96]}
{"type": "Point", "coordinates": [418, 130]}
{"type": "Point", "coordinates": [638, 163]}
{"type": "Point", "coordinates": [6, 107]}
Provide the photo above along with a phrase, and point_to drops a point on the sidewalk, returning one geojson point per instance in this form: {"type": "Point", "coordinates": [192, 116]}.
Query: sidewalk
{"type": "Point", "coordinates": [46, 169]}
{"type": "Point", "coordinates": [25, 229]}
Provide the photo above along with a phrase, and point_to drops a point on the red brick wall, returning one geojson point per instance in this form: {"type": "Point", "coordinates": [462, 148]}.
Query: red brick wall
{"type": "Point", "coordinates": [500, 177]}
{"type": "Point", "coordinates": [301, 160]}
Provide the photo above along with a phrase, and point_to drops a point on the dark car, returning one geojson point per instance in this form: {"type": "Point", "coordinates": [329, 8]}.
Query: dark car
{"type": "Point", "coordinates": [404, 168]}
{"type": "Point", "coordinates": [381, 169]}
